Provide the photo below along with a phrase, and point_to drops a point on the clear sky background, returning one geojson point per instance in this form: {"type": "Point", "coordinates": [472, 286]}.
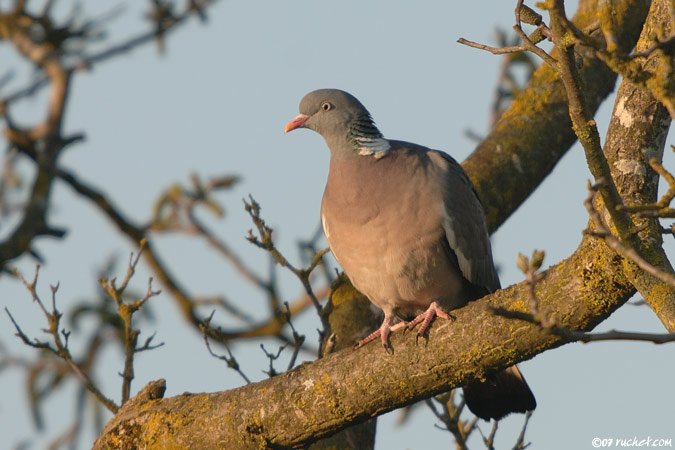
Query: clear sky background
{"type": "Point", "coordinates": [216, 104]}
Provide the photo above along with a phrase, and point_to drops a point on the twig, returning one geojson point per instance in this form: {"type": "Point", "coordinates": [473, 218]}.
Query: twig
{"type": "Point", "coordinates": [126, 311]}
{"type": "Point", "coordinates": [585, 127]}
{"type": "Point", "coordinates": [231, 361]}
{"type": "Point", "coordinates": [272, 357]}
{"type": "Point", "coordinates": [264, 241]}
{"type": "Point", "coordinates": [59, 337]}
{"type": "Point", "coordinates": [529, 43]}
{"type": "Point", "coordinates": [489, 440]}
{"type": "Point", "coordinates": [581, 336]}
{"type": "Point", "coordinates": [186, 303]}
{"type": "Point", "coordinates": [662, 207]}
{"type": "Point", "coordinates": [298, 339]}
{"type": "Point", "coordinates": [603, 232]}
{"type": "Point", "coordinates": [520, 443]}
{"type": "Point", "coordinates": [491, 49]}
{"type": "Point", "coordinates": [450, 417]}
{"type": "Point", "coordinates": [530, 267]}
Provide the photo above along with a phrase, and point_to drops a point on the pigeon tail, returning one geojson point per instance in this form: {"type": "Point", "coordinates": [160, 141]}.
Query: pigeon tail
{"type": "Point", "coordinates": [501, 394]}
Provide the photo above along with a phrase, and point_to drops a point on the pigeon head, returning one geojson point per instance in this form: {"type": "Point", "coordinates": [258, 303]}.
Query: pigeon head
{"type": "Point", "coordinates": [342, 120]}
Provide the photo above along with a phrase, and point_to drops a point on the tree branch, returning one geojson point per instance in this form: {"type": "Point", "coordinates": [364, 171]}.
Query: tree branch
{"type": "Point", "coordinates": [636, 135]}
{"type": "Point", "coordinates": [351, 386]}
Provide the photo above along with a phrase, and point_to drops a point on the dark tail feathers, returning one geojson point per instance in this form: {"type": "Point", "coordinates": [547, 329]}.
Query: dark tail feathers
{"type": "Point", "coordinates": [501, 393]}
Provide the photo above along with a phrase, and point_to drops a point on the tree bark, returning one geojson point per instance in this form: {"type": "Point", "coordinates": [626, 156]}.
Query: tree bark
{"type": "Point", "coordinates": [636, 133]}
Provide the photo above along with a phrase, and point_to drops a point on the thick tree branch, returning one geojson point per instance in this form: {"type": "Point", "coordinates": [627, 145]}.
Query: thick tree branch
{"type": "Point", "coordinates": [351, 386]}
{"type": "Point", "coordinates": [636, 134]}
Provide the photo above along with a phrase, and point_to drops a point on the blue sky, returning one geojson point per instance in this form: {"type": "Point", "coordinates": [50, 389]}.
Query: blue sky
{"type": "Point", "coordinates": [216, 104]}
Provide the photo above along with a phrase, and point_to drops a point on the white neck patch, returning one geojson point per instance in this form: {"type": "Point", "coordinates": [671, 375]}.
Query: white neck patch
{"type": "Point", "coordinates": [375, 147]}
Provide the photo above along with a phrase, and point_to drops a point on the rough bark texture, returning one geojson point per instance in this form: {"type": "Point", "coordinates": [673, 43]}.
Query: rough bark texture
{"type": "Point", "coordinates": [351, 317]}
{"type": "Point", "coordinates": [352, 386]}
{"type": "Point", "coordinates": [637, 132]}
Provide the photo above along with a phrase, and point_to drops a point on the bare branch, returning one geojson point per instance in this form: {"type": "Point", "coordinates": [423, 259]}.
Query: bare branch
{"type": "Point", "coordinates": [271, 372]}
{"type": "Point", "coordinates": [126, 311]}
{"type": "Point", "coordinates": [662, 207]}
{"type": "Point", "coordinates": [602, 231]}
{"type": "Point", "coordinates": [520, 443]}
{"type": "Point", "coordinates": [530, 267]}
{"type": "Point", "coordinates": [264, 241]}
{"type": "Point", "coordinates": [579, 336]}
{"type": "Point", "coordinates": [60, 347]}
{"type": "Point", "coordinates": [231, 361]}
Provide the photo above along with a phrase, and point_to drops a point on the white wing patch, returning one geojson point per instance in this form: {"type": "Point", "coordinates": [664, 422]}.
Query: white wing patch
{"type": "Point", "coordinates": [462, 259]}
{"type": "Point", "coordinates": [325, 226]}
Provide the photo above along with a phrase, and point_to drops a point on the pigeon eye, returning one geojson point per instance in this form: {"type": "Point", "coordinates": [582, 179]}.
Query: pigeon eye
{"type": "Point", "coordinates": [326, 106]}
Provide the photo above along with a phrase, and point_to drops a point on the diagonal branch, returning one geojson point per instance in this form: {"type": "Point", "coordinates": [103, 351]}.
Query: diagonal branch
{"type": "Point", "coordinates": [348, 386]}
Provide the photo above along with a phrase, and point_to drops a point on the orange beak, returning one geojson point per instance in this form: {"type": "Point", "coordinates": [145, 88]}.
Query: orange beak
{"type": "Point", "coordinates": [297, 122]}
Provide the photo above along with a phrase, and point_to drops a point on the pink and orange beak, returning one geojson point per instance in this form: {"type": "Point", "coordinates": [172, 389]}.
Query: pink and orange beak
{"type": "Point", "coordinates": [297, 122]}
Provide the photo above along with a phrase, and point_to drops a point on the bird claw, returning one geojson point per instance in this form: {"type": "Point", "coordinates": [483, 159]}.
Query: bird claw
{"type": "Point", "coordinates": [383, 333]}
{"type": "Point", "coordinates": [388, 348]}
{"type": "Point", "coordinates": [426, 318]}
{"type": "Point", "coordinates": [387, 328]}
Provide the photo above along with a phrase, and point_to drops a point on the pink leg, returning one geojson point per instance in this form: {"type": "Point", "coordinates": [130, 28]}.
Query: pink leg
{"type": "Point", "coordinates": [427, 317]}
{"type": "Point", "coordinates": [383, 332]}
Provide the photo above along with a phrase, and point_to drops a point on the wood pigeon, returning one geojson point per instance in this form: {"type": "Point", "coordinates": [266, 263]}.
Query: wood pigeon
{"type": "Point", "coordinates": [407, 227]}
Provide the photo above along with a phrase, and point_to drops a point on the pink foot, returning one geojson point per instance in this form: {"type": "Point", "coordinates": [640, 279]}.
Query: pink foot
{"type": "Point", "coordinates": [383, 333]}
{"type": "Point", "coordinates": [427, 317]}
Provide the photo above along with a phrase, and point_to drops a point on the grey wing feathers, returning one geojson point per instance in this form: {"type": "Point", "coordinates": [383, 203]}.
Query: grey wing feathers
{"type": "Point", "coordinates": [464, 224]}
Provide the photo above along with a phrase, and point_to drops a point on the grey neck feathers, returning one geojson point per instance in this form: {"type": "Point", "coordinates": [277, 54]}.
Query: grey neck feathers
{"type": "Point", "coordinates": [366, 139]}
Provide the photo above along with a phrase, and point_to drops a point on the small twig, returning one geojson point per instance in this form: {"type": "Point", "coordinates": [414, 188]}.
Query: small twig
{"type": "Point", "coordinates": [491, 49]}
{"type": "Point", "coordinates": [227, 305]}
{"type": "Point", "coordinates": [450, 417]}
{"type": "Point", "coordinates": [603, 232]}
{"type": "Point", "coordinates": [581, 336]}
{"type": "Point", "coordinates": [265, 242]}
{"type": "Point", "coordinates": [489, 440]}
{"type": "Point", "coordinates": [126, 311]}
{"type": "Point", "coordinates": [298, 339]}
{"type": "Point", "coordinates": [530, 267]}
{"type": "Point", "coordinates": [528, 43]}
{"type": "Point", "coordinates": [520, 443]}
{"type": "Point", "coordinates": [666, 46]}
{"type": "Point", "coordinates": [231, 361]}
{"type": "Point", "coordinates": [60, 347]}
{"type": "Point", "coordinates": [272, 357]}
{"type": "Point", "coordinates": [662, 207]}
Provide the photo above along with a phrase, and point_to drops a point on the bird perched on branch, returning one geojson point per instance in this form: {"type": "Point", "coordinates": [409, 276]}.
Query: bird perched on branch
{"type": "Point", "coordinates": [407, 227]}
